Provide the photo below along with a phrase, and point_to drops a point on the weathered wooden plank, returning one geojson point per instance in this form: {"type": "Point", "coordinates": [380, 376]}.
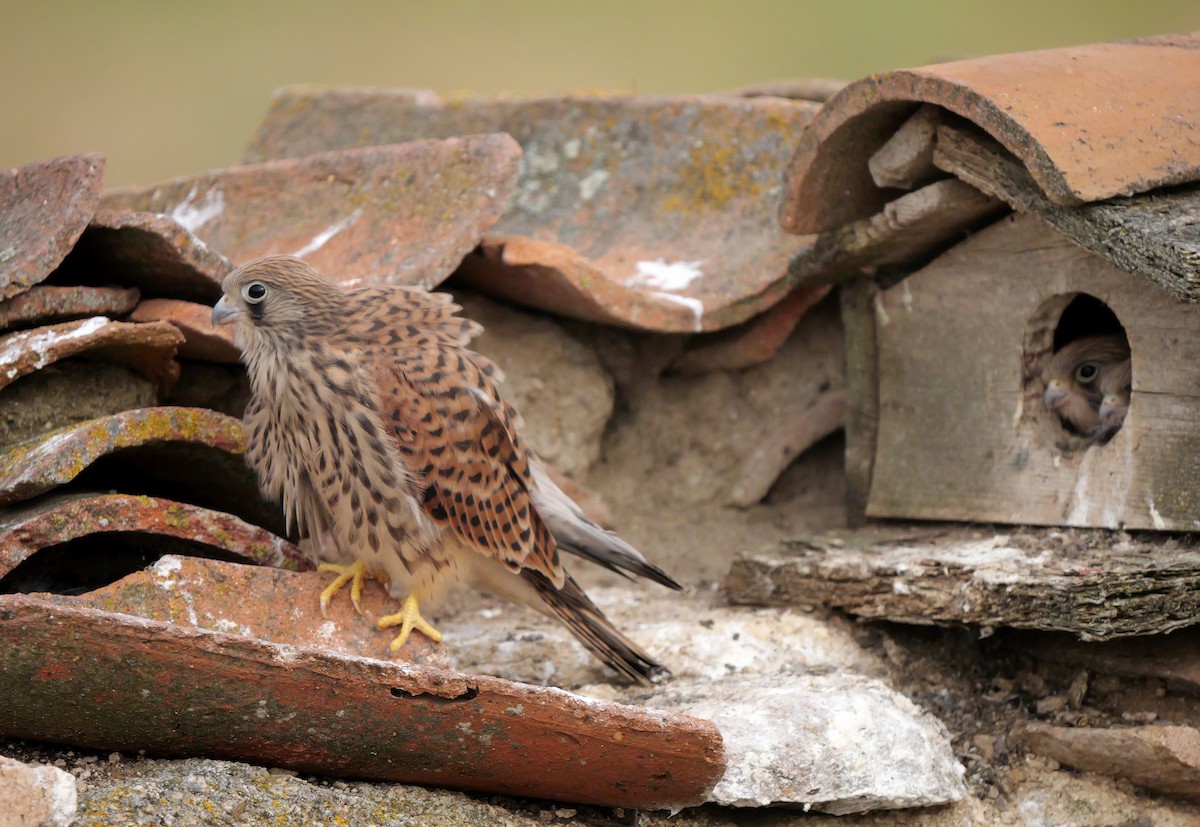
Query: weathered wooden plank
{"type": "Point", "coordinates": [862, 393]}
{"type": "Point", "coordinates": [906, 160]}
{"type": "Point", "coordinates": [1094, 584]}
{"type": "Point", "coordinates": [1156, 236]}
{"type": "Point", "coordinates": [962, 433]}
{"type": "Point", "coordinates": [909, 230]}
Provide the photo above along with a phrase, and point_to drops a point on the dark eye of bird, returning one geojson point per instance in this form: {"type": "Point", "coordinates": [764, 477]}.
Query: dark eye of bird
{"type": "Point", "coordinates": [254, 292]}
{"type": "Point", "coordinates": [1087, 372]}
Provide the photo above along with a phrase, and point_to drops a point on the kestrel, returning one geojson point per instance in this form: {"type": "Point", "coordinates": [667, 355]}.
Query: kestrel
{"type": "Point", "coordinates": [1073, 380]}
{"type": "Point", "coordinates": [391, 448]}
{"type": "Point", "coordinates": [1116, 385]}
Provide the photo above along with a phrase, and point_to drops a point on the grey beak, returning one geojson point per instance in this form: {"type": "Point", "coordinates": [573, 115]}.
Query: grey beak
{"type": "Point", "coordinates": [223, 313]}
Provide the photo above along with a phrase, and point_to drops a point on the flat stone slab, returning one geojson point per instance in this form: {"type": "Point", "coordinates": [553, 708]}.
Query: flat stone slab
{"type": "Point", "coordinates": [172, 690]}
{"type": "Point", "coordinates": [655, 213]}
{"type": "Point", "coordinates": [201, 341]}
{"type": "Point", "coordinates": [1094, 584]}
{"type": "Point", "coordinates": [147, 348]}
{"type": "Point", "coordinates": [54, 520]}
{"type": "Point", "coordinates": [155, 252]}
{"type": "Point", "coordinates": [379, 215]}
{"type": "Point", "coordinates": [44, 208]}
{"type": "Point", "coordinates": [1165, 759]}
{"type": "Point", "coordinates": [45, 304]}
{"type": "Point", "coordinates": [839, 743]}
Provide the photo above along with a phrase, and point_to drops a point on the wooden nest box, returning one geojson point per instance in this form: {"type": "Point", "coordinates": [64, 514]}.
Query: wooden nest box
{"type": "Point", "coordinates": [949, 339]}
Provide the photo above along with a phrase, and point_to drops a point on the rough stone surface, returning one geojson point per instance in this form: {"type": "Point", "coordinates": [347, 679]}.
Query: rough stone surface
{"type": "Point", "coordinates": [377, 215]}
{"type": "Point", "coordinates": [838, 743]}
{"type": "Point", "coordinates": [35, 796]}
{"type": "Point", "coordinates": [201, 341]}
{"type": "Point", "coordinates": [68, 392]}
{"type": "Point", "coordinates": [43, 209]}
{"type": "Point", "coordinates": [1165, 759]}
{"type": "Point", "coordinates": [45, 303]}
{"type": "Point", "coordinates": [147, 348]}
{"type": "Point", "coordinates": [655, 213]}
{"type": "Point", "coordinates": [223, 793]}
{"type": "Point", "coordinates": [558, 384]}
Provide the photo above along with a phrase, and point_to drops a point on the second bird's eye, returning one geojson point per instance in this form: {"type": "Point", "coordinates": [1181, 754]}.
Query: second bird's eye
{"type": "Point", "coordinates": [1087, 372]}
{"type": "Point", "coordinates": [254, 292]}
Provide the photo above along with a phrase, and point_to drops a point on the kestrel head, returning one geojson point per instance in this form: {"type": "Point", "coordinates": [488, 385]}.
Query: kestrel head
{"type": "Point", "coordinates": [276, 297]}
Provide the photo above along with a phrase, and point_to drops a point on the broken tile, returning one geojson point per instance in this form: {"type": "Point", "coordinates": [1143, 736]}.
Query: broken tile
{"type": "Point", "coordinates": [36, 795]}
{"type": "Point", "coordinates": [43, 209]}
{"type": "Point", "coordinates": [45, 304]}
{"type": "Point", "coordinates": [833, 743]}
{"type": "Point", "coordinates": [1119, 122]}
{"type": "Point", "coordinates": [152, 251]}
{"type": "Point", "coordinates": [201, 341]}
{"type": "Point", "coordinates": [1083, 582]}
{"type": "Point", "coordinates": [169, 690]}
{"type": "Point", "coordinates": [189, 454]}
{"type": "Point", "coordinates": [59, 519]}
{"type": "Point", "coordinates": [377, 215]}
{"type": "Point", "coordinates": [657, 213]}
{"type": "Point", "coordinates": [752, 342]}
{"type": "Point", "coordinates": [1165, 759]}
{"type": "Point", "coordinates": [147, 348]}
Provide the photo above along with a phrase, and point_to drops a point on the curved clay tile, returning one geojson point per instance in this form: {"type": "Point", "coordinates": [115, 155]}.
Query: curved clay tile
{"type": "Point", "coordinates": [1089, 122]}
{"type": "Point", "coordinates": [653, 213]}
{"type": "Point", "coordinates": [187, 454]}
{"type": "Point", "coordinates": [60, 519]}
{"type": "Point", "coordinates": [390, 214]}
{"type": "Point", "coordinates": [154, 252]}
{"type": "Point", "coordinates": [43, 209]}
{"type": "Point", "coordinates": [147, 348]}
{"type": "Point", "coordinates": [202, 341]}
{"type": "Point", "coordinates": [114, 681]}
{"type": "Point", "coordinates": [45, 303]}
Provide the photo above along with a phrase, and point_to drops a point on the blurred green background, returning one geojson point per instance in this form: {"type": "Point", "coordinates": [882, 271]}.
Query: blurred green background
{"type": "Point", "coordinates": [171, 88]}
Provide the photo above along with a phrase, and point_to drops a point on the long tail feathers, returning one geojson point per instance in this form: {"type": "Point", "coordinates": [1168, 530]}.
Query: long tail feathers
{"type": "Point", "coordinates": [589, 625]}
{"type": "Point", "coordinates": [575, 533]}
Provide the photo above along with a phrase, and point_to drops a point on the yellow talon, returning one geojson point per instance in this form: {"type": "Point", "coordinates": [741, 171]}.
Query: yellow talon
{"type": "Point", "coordinates": [408, 618]}
{"type": "Point", "coordinates": [355, 574]}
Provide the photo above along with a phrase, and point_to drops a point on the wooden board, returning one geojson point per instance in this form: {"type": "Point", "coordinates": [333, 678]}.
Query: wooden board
{"type": "Point", "coordinates": [1094, 584]}
{"type": "Point", "coordinates": [906, 160]}
{"type": "Point", "coordinates": [962, 434]}
{"type": "Point", "coordinates": [1156, 236]}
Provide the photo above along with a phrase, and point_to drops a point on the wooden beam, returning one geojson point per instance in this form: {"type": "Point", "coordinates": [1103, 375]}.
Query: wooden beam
{"type": "Point", "coordinates": [906, 160]}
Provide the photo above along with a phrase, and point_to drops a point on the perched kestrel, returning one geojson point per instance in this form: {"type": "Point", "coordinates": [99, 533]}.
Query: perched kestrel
{"type": "Point", "coordinates": [1073, 380]}
{"type": "Point", "coordinates": [390, 446]}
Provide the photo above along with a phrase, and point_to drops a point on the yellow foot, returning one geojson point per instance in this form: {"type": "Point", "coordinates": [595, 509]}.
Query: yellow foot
{"type": "Point", "coordinates": [408, 618]}
{"type": "Point", "coordinates": [355, 574]}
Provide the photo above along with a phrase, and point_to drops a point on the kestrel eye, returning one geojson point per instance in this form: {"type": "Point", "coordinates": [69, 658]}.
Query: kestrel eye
{"type": "Point", "coordinates": [254, 292]}
{"type": "Point", "coordinates": [1087, 372]}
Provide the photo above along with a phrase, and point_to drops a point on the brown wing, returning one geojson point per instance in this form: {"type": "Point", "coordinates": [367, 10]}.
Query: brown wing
{"type": "Point", "coordinates": [469, 467]}
{"type": "Point", "coordinates": [397, 319]}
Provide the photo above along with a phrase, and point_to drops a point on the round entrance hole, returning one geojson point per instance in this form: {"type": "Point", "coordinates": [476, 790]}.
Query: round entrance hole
{"type": "Point", "coordinates": [1078, 370]}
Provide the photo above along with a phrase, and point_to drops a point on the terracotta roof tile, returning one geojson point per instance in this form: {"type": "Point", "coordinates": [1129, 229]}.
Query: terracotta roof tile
{"type": "Point", "coordinates": [43, 209]}
{"type": "Point", "coordinates": [379, 214]}
{"type": "Point", "coordinates": [652, 213]}
{"type": "Point", "coordinates": [1089, 123]}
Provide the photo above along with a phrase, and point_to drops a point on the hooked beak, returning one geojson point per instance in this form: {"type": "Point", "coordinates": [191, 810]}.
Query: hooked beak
{"type": "Point", "coordinates": [223, 312]}
{"type": "Point", "coordinates": [1055, 395]}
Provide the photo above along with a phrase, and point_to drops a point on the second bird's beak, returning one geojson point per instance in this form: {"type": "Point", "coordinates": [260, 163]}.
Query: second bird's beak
{"type": "Point", "coordinates": [223, 312]}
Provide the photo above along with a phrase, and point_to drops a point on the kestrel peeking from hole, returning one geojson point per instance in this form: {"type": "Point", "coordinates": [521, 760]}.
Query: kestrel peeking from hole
{"type": "Point", "coordinates": [1074, 376]}
{"type": "Point", "coordinates": [391, 448]}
